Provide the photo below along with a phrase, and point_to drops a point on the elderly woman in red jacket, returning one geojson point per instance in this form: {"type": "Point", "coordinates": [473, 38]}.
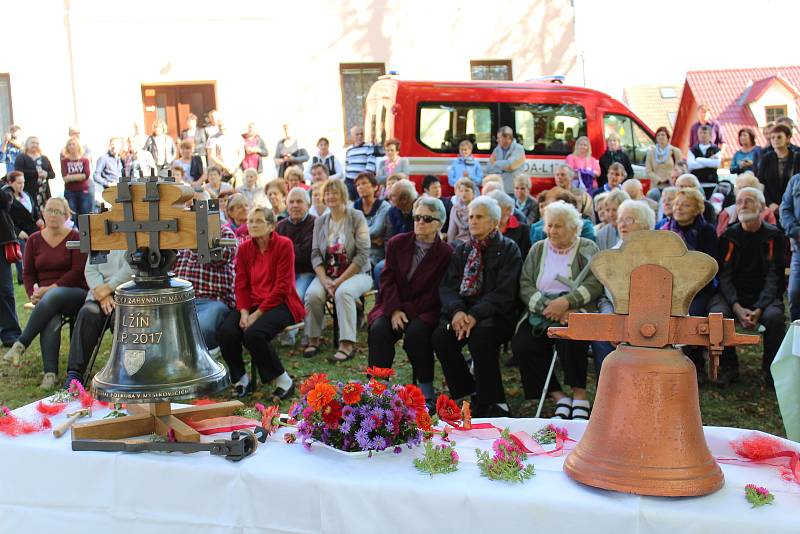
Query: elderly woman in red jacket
{"type": "Point", "coordinates": [408, 302]}
{"type": "Point", "coordinates": [266, 303]}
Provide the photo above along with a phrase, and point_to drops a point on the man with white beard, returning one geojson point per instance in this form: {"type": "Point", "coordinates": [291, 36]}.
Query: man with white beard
{"type": "Point", "coordinates": [751, 281]}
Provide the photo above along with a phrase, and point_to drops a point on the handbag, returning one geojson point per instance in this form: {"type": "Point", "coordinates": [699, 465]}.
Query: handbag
{"type": "Point", "coordinates": [13, 252]}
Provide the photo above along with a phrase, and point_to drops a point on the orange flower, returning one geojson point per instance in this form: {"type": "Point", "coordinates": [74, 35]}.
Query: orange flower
{"type": "Point", "coordinates": [269, 419]}
{"type": "Point", "coordinates": [412, 397]}
{"type": "Point", "coordinates": [379, 372]}
{"type": "Point", "coordinates": [377, 387]}
{"type": "Point", "coordinates": [423, 420]}
{"type": "Point", "coordinates": [312, 381]}
{"type": "Point", "coordinates": [319, 397]}
{"type": "Point", "coordinates": [351, 392]}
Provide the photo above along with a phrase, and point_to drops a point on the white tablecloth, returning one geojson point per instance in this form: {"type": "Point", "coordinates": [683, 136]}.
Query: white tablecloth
{"type": "Point", "coordinates": [45, 486]}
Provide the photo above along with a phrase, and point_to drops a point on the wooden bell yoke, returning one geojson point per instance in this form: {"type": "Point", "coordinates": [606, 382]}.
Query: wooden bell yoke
{"type": "Point", "coordinates": [151, 221]}
{"type": "Point", "coordinates": [645, 435]}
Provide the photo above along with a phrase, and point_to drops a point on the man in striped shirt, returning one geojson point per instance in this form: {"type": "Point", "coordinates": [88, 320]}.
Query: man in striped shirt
{"type": "Point", "coordinates": [361, 157]}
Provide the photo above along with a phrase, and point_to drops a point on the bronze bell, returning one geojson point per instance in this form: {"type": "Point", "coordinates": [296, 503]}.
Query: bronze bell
{"type": "Point", "coordinates": [158, 353]}
{"type": "Point", "coordinates": [645, 435]}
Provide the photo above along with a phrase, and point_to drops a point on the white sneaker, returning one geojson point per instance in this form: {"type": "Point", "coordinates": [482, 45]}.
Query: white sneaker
{"type": "Point", "coordinates": [49, 381]}
{"type": "Point", "coordinates": [14, 353]}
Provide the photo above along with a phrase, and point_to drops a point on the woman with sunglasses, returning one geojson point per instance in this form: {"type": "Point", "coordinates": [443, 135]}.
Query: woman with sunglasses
{"type": "Point", "coordinates": [55, 284]}
{"type": "Point", "coordinates": [408, 305]}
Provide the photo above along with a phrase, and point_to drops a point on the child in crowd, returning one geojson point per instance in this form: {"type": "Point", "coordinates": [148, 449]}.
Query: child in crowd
{"type": "Point", "coordinates": [179, 176]}
{"type": "Point", "coordinates": [459, 214]}
{"type": "Point", "coordinates": [523, 200]}
{"type": "Point", "coordinates": [464, 166]}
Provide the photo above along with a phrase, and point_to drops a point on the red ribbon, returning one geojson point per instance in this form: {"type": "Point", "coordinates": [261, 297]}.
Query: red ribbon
{"type": "Point", "coordinates": [523, 440]}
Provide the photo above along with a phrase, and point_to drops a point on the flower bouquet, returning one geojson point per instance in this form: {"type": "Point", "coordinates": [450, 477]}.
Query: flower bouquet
{"type": "Point", "coordinates": [360, 417]}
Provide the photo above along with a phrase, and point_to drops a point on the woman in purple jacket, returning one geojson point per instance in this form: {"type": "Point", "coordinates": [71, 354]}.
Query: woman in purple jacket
{"type": "Point", "coordinates": [408, 302]}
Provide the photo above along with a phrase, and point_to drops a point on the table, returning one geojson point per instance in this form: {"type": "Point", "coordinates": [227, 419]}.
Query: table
{"type": "Point", "coordinates": [283, 488]}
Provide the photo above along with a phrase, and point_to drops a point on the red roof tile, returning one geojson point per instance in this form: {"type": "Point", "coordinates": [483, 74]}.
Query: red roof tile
{"type": "Point", "coordinates": [760, 87]}
{"type": "Point", "coordinates": [722, 91]}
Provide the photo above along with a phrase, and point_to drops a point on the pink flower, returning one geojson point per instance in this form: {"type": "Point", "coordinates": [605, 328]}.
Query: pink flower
{"type": "Point", "coordinates": [454, 456]}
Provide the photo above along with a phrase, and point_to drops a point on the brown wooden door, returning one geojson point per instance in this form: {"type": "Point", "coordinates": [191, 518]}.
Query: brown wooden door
{"type": "Point", "coordinates": [172, 103]}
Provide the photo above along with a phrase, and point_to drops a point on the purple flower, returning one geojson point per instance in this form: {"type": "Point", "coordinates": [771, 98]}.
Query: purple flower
{"type": "Point", "coordinates": [295, 411]}
{"type": "Point", "coordinates": [389, 426]}
{"type": "Point", "coordinates": [307, 444]}
{"type": "Point", "coordinates": [345, 428]}
{"type": "Point", "coordinates": [362, 438]}
{"type": "Point", "coordinates": [368, 424]}
{"type": "Point", "coordinates": [380, 443]}
{"type": "Point", "coordinates": [398, 450]}
{"type": "Point", "coordinates": [347, 412]}
{"type": "Point", "coordinates": [308, 412]}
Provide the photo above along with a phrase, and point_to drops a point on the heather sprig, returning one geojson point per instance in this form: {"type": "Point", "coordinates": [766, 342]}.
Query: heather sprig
{"type": "Point", "coordinates": [506, 463]}
{"type": "Point", "coordinates": [758, 495]}
{"type": "Point", "coordinates": [438, 460]}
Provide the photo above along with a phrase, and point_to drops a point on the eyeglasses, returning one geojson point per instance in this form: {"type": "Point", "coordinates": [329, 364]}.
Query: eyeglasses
{"type": "Point", "coordinates": [53, 211]}
{"type": "Point", "coordinates": [427, 218]}
{"type": "Point", "coordinates": [626, 221]}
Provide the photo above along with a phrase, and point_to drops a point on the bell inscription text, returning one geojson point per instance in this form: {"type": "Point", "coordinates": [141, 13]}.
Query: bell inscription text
{"type": "Point", "coordinates": [139, 320]}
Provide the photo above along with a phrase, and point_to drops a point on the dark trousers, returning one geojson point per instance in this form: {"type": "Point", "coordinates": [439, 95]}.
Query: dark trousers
{"type": "Point", "coordinates": [416, 342]}
{"type": "Point", "coordinates": [86, 334]}
{"type": "Point", "coordinates": [45, 322]}
{"type": "Point", "coordinates": [484, 345]}
{"type": "Point", "coordinates": [774, 325]}
{"type": "Point", "coordinates": [351, 189]}
{"type": "Point", "coordinates": [534, 354]}
{"type": "Point", "coordinates": [9, 325]}
{"type": "Point", "coordinates": [257, 340]}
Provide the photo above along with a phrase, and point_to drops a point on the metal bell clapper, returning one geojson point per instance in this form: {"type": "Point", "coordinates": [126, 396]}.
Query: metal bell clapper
{"type": "Point", "coordinates": [645, 435]}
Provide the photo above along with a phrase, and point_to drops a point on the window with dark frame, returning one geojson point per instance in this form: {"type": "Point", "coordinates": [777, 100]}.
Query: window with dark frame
{"type": "Point", "coordinates": [6, 112]}
{"type": "Point", "coordinates": [491, 69]}
{"type": "Point", "coordinates": [356, 79]}
{"type": "Point", "coordinates": [775, 112]}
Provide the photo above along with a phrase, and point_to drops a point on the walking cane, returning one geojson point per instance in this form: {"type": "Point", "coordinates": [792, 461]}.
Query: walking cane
{"type": "Point", "coordinates": [88, 373]}
{"type": "Point", "coordinates": [547, 383]}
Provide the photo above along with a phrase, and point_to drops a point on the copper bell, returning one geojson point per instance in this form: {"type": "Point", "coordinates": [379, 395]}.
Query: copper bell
{"type": "Point", "coordinates": [645, 435]}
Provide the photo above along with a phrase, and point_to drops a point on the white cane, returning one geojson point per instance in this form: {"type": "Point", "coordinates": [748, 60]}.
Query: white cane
{"type": "Point", "coordinates": [547, 383]}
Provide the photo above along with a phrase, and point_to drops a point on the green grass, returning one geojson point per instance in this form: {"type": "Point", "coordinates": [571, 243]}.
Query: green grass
{"type": "Point", "coordinates": [747, 404]}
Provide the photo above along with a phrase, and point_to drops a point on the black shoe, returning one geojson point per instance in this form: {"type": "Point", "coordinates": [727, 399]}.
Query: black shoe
{"type": "Point", "coordinates": [493, 410]}
{"type": "Point", "coordinates": [8, 343]}
{"type": "Point", "coordinates": [283, 394]}
{"type": "Point", "coordinates": [240, 391]}
{"type": "Point", "coordinates": [766, 377]}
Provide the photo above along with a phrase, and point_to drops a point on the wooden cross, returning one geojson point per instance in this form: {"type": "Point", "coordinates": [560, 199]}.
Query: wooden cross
{"type": "Point", "coordinates": [653, 279]}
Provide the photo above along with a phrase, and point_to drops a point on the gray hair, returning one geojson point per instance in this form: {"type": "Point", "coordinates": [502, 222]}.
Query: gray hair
{"type": "Point", "coordinates": [690, 177]}
{"type": "Point", "coordinates": [632, 183]}
{"type": "Point", "coordinates": [503, 199]}
{"type": "Point", "coordinates": [747, 176]}
{"type": "Point", "coordinates": [570, 171]}
{"type": "Point", "coordinates": [641, 211]}
{"type": "Point", "coordinates": [433, 204]}
{"type": "Point", "coordinates": [235, 200]}
{"type": "Point", "coordinates": [755, 192]}
{"type": "Point", "coordinates": [505, 131]}
{"type": "Point", "coordinates": [405, 186]}
{"type": "Point", "coordinates": [565, 211]}
{"type": "Point", "coordinates": [298, 191]}
{"type": "Point", "coordinates": [671, 190]}
{"type": "Point", "coordinates": [491, 205]}
{"type": "Point", "coordinates": [617, 197]}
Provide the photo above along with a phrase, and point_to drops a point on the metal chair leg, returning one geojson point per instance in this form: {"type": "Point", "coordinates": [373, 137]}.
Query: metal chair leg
{"type": "Point", "coordinates": [90, 364]}
{"type": "Point", "coordinates": [547, 383]}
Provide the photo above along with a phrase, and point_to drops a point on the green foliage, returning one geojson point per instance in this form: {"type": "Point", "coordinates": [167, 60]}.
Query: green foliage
{"type": "Point", "coordinates": [505, 462]}
{"type": "Point", "coordinates": [438, 460]}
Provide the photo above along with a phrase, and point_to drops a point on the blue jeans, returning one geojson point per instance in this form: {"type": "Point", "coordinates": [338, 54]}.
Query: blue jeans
{"type": "Point", "coordinates": [9, 325]}
{"type": "Point", "coordinates": [301, 282]}
{"type": "Point", "coordinates": [79, 202]}
{"type": "Point", "coordinates": [376, 274]}
{"type": "Point", "coordinates": [794, 285]}
{"type": "Point", "coordinates": [210, 314]}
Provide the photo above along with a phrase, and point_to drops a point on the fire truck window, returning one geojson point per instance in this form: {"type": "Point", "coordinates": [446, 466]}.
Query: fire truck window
{"type": "Point", "coordinates": [635, 140]}
{"type": "Point", "coordinates": [443, 126]}
{"type": "Point", "coordinates": [547, 128]}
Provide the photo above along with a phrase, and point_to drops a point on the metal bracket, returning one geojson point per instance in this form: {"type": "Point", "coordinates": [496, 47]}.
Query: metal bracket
{"type": "Point", "coordinates": [131, 227]}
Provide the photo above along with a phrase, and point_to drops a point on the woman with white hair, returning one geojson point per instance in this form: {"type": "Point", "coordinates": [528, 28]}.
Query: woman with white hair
{"type": "Point", "coordinates": [608, 235]}
{"type": "Point", "coordinates": [478, 296]}
{"type": "Point", "coordinates": [631, 216]}
{"type": "Point", "coordinates": [510, 225]}
{"type": "Point", "coordinates": [728, 217]}
{"type": "Point", "coordinates": [408, 304]}
{"type": "Point", "coordinates": [556, 280]}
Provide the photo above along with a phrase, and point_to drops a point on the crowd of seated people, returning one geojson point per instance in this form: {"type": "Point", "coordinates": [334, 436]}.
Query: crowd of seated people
{"type": "Point", "coordinates": [456, 276]}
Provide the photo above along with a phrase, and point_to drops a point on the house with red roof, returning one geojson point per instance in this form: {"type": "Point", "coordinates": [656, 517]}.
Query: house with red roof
{"type": "Point", "coordinates": [739, 98]}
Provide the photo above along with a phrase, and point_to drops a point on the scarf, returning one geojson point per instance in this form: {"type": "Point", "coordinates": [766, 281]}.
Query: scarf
{"type": "Point", "coordinates": [662, 155]}
{"type": "Point", "coordinates": [687, 233]}
{"type": "Point", "coordinates": [472, 281]}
